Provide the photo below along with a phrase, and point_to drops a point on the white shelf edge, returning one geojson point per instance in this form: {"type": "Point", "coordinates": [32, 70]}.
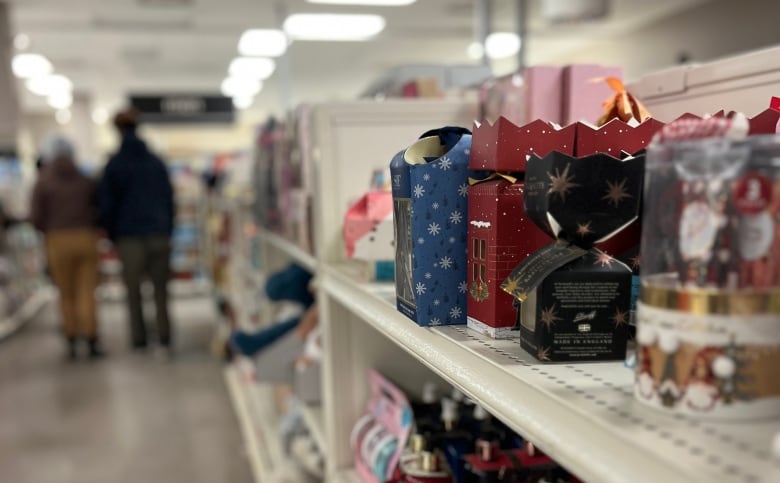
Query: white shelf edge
{"type": "Point", "coordinates": [565, 412]}
{"type": "Point", "coordinates": [238, 397]}
{"type": "Point", "coordinates": [345, 476]}
{"type": "Point", "coordinates": [313, 416]}
{"type": "Point", "coordinates": [291, 249]}
{"type": "Point", "coordinates": [26, 312]}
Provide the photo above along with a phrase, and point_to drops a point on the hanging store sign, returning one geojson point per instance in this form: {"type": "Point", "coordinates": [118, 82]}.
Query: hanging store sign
{"type": "Point", "coordinates": [184, 108]}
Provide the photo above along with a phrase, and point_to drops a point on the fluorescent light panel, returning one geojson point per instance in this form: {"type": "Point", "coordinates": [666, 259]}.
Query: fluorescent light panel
{"type": "Point", "coordinates": [329, 26]}
{"type": "Point", "coordinates": [262, 43]}
{"type": "Point", "coordinates": [240, 87]}
{"type": "Point", "coordinates": [378, 3]}
{"type": "Point", "coordinates": [252, 67]}
{"type": "Point", "coordinates": [502, 44]}
{"type": "Point", "coordinates": [49, 85]}
{"type": "Point", "coordinates": [26, 66]}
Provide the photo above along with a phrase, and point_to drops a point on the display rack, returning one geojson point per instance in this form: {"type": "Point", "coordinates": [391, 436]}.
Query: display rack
{"type": "Point", "coordinates": [584, 416]}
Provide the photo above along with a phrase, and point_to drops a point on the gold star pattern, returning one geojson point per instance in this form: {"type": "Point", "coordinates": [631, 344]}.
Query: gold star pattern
{"type": "Point", "coordinates": [543, 354]}
{"type": "Point", "coordinates": [511, 285]}
{"type": "Point", "coordinates": [561, 183]}
{"type": "Point", "coordinates": [603, 259]}
{"type": "Point", "coordinates": [616, 192]}
{"type": "Point", "coordinates": [549, 316]}
{"type": "Point", "coordinates": [583, 229]}
{"type": "Point", "coordinates": [620, 318]}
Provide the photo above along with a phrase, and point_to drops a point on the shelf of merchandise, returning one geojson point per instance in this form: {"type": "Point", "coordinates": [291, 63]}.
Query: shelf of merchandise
{"type": "Point", "coordinates": [291, 249]}
{"type": "Point", "coordinates": [26, 311]}
{"type": "Point", "coordinates": [584, 416]}
{"type": "Point", "coordinates": [254, 405]}
{"type": "Point", "coordinates": [314, 418]}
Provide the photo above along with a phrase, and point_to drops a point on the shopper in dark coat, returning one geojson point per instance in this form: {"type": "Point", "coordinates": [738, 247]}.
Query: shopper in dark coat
{"type": "Point", "coordinates": [137, 209]}
{"type": "Point", "coordinates": [63, 208]}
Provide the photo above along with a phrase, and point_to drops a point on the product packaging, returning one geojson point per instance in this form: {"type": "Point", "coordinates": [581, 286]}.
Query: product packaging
{"type": "Point", "coordinates": [368, 234]}
{"type": "Point", "coordinates": [575, 299]}
{"type": "Point", "coordinates": [584, 91]}
{"type": "Point", "coordinates": [709, 313]}
{"type": "Point", "coordinates": [380, 436]}
{"type": "Point", "coordinates": [430, 185]}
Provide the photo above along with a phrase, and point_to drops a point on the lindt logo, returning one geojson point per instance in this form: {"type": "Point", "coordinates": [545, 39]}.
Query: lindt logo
{"type": "Point", "coordinates": [397, 180]}
{"type": "Point", "coordinates": [584, 316]}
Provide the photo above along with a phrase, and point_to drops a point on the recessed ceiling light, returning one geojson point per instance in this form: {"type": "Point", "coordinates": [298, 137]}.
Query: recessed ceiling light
{"type": "Point", "coordinates": [243, 102]}
{"type": "Point", "coordinates": [49, 85]}
{"type": "Point", "coordinates": [100, 115]}
{"type": "Point", "coordinates": [240, 87]}
{"type": "Point", "coordinates": [502, 44]}
{"type": "Point", "coordinates": [62, 116]}
{"type": "Point", "coordinates": [252, 67]}
{"type": "Point", "coordinates": [380, 3]}
{"type": "Point", "coordinates": [329, 26]}
{"type": "Point", "coordinates": [26, 66]}
{"type": "Point", "coordinates": [21, 41]}
{"type": "Point", "coordinates": [262, 43]}
{"type": "Point", "coordinates": [60, 100]}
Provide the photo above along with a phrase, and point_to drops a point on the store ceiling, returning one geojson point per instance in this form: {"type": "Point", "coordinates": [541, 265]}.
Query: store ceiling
{"type": "Point", "coordinates": [112, 47]}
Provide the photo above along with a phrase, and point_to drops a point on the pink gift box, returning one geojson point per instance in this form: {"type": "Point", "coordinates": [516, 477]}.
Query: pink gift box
{"type": "Point", "coordinates": [584, 93]}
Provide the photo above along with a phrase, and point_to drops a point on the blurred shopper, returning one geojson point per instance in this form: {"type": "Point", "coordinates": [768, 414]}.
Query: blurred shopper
{"type": "Point", "coordinates": [64, 209]}
{"type": "Point", "coordinates": [137, 209]}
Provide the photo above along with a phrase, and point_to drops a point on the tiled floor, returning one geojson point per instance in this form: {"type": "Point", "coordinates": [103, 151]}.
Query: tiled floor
{"type": "Point", "coordinates": [127, 419]}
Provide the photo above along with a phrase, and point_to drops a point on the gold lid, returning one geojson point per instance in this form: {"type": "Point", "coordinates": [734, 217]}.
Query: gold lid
{"type": "Point", "coordinates": [428, 461]}
{"type": "Point", "coordinates": [417, 443]}
{"type": "Point", "coordinates": [703, 301]}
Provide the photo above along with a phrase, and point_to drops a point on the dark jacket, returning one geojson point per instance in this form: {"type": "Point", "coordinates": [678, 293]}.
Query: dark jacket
{"type": "Point", "coordinates": [135, 196]}
{"type": "Point", "coordinates": [63, 198]}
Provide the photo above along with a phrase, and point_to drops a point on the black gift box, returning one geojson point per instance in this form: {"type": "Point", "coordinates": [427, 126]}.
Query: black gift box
{"type": "Point", "coordinates": [575, 300]}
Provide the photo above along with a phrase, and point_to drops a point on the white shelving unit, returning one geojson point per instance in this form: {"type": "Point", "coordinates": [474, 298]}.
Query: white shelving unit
{"type": "Point", "coordinates": [583, 415]}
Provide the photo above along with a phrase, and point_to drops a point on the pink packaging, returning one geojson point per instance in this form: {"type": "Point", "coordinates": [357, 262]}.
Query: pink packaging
{"type": "Point", "coordinates": [372, 212]}
{"type": "Point", "coordinates": [584, 91]}
{"type": "Point", "coordinates": [388, 423]}
{"type": "Point", "coordinates": [543, 93]}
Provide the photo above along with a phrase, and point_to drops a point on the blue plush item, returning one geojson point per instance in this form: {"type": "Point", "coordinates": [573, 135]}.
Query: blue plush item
{"type": "Point", "coordinates": [250, 344]}
{"type": "Point", "coordinates": [291, 284]}
{"type": "Point", "coordinates": [430, 213]}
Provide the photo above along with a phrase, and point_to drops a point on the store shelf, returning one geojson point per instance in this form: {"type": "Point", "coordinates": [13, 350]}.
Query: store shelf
{"type": "Point", "coordinates": [314, 418]}
{"type": "Point", "coordinates": [584, 416]}
{"type": "Point", "coordinates": [346, 476]}
{"type": "Point", "coordinates": [291, 249]}
{"type": "Point", "coordinates": [254, 404]}
{"type": "Point", "coordinates": [238, 395]}
{"type": "Point", "coordinates": [26, 312]}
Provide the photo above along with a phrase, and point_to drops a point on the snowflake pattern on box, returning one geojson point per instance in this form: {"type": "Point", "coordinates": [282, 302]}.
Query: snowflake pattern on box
{"type": "Point", "coordinates": [439, 261]}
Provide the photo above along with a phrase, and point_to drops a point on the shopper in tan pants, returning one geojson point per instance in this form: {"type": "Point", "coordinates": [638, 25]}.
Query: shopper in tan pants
{"type": "Point", "coordinates": [64, 209]}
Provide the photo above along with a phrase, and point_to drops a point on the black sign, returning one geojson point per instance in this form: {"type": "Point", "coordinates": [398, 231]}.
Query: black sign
{"type": "Point", "coordinates": [184, 108]}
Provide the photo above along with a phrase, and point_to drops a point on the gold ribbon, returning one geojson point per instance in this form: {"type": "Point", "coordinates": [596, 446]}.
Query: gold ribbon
{"type": "Point", "coordinates": [510, 178]}
{"type": "Point", "coordinates": [699, 301]}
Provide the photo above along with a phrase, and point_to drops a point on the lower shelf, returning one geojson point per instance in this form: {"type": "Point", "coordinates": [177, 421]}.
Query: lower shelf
{"type": "Point", "coordinates": [313, 416]}
{"type": "Point", "coordinates": [254, 405]}
{"type": "Point", "coordinates": [26, 312]}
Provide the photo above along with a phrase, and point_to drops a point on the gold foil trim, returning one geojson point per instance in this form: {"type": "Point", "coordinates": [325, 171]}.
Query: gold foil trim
{"type": "Point", "coordinates": [700, 301]}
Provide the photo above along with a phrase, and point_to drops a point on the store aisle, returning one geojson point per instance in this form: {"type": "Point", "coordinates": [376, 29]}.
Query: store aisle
{"type": "Point", "coordinates": [130, 418]}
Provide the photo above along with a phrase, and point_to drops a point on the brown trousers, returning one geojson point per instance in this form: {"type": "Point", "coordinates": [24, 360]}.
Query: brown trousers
{"type": "Point", "coordinates": [73, 263]}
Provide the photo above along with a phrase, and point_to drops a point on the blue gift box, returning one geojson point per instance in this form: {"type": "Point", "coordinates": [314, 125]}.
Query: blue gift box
{"type": "Point", "coordinates": [430, 185]}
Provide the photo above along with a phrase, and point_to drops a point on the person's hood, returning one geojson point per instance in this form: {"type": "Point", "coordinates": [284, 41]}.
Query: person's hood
{"type": "Point", "coordinates": [63, 167]}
